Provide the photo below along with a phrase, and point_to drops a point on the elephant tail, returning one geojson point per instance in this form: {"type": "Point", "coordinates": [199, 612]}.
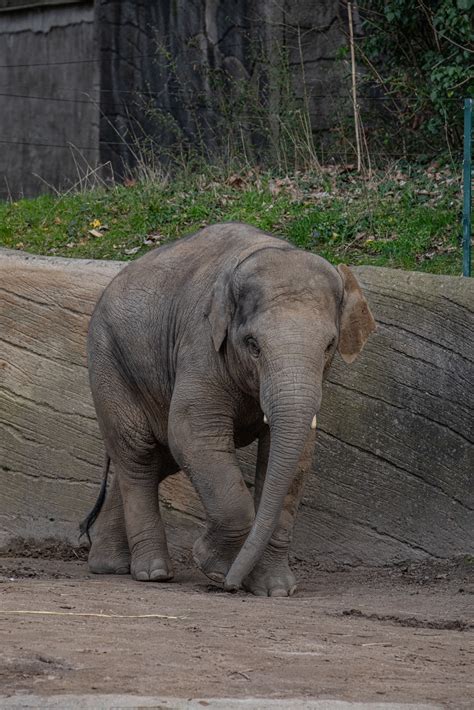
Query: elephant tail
{"type": "Point", "coordinates": [88, 521]}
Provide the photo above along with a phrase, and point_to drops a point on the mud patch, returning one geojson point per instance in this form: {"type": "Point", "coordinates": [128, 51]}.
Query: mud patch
{"type": "Point", "coordinates": [48, 549]}
{"type": "Point", "coordinates": [412, 622]}
{"type": "Point", "coordinates": [24, 669]}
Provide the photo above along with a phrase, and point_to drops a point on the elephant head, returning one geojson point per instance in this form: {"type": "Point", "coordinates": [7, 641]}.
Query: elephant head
{"type": "Point", "coordinates": [277, 317]}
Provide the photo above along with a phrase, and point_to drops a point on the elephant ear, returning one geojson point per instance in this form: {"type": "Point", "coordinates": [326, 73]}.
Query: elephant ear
{"type": "Point", "coordinates": [222, 307]}
{"type": "Point", "coordinates": [357, 322]}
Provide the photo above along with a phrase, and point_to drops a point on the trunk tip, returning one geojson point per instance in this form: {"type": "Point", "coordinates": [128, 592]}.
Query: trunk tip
{"type": "Point", "coordinates": [232, 584]}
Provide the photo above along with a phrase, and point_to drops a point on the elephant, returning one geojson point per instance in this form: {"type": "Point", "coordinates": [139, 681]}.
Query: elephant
{"type": "Point", "coordinates": [196, 349]}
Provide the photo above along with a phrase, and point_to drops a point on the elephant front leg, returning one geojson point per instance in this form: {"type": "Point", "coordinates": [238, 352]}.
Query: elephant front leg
{"type": "Point", "coordinates": [272, 575]}
{"type": "Point", "coordinates": [202, 443]}
{"type": "Point", "coordinates": [230, 513]}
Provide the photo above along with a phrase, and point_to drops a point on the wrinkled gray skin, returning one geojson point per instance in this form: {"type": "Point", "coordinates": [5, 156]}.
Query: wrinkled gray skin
{"type": "Point", "coordinates": [189, 347]}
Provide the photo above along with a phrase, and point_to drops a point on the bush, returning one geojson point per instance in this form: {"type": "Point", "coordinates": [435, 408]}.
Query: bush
{"type": "Point", "coordinates": [420, 54]}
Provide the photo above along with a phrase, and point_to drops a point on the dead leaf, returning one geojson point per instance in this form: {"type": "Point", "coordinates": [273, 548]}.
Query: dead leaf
{"type": "Point", "coordinates": [95, 233]}
{"type": "Point", "coordinates": [236, 181]}
{"type": "Point", "coordinates": [287, 185]}
{"type": "Point", "coordinates": [436, 251]}
{"type": "Point", "coordinates": [153, 239]}
{"type": "Point", "coordinates": [133, 250]}
{"type": "Point", "coordinates": [320, 195]}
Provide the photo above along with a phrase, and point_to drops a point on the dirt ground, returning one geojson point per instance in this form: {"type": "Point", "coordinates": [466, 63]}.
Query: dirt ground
{"type": "Point", "coordinates": [401, 634]}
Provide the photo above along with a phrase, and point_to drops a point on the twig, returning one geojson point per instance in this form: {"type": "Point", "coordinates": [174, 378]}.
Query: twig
{"type": "Point", "coordinates": [354, 87]}
{"type": "Point", "coordinates": [87, 613]}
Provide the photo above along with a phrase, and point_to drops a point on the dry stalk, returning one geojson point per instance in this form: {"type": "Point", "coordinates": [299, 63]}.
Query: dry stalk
{"type": "Point", "coordinates": [354, 88]}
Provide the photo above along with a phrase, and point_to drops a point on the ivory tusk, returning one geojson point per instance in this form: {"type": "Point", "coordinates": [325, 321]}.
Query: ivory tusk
{"type": "Point", "coordinates": [314, 422]}
{"type": "Point", "coordinates": [265, 420]}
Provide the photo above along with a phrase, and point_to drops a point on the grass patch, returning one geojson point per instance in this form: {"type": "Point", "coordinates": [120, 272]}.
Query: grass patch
{"type": "Point", "coordinates": [408, 220]}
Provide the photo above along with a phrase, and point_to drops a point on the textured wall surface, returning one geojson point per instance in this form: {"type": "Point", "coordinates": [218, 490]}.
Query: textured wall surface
{"type": "Point", "coordinates": [194, 60]}
{"type": "Point", "coordinates": [314, 34]}
{"type": "Point", "coordinates": [393, 469]}
{"type": "Point", "coordinates": [48, 95]}
{"type": "Point", "coordinates": [173, 52]}
{"type": "Point", "coordinates": [86, 83]}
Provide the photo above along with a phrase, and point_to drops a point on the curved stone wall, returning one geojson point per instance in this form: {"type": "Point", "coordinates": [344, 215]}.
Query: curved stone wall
{"type": "Point", "coordinates": [393, 470]}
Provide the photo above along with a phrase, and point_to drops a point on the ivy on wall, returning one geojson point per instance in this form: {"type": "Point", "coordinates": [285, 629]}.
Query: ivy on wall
{"type": "Point", "coordinates": [420, 53]}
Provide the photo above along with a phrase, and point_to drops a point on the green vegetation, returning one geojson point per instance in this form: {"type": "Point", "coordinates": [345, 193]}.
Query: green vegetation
{"type": "Point", "coordinates": [408, 219]}
{"type": "Point", "coordinates": [420, 56]}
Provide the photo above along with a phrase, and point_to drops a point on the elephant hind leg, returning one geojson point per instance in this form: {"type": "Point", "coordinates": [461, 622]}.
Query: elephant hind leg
{"type": "Point", "coordinates": [109, 552]}
{"type": "Point", "coordinates": [139, 477]}
{"type": "Point", "coordinates": [129, 530]}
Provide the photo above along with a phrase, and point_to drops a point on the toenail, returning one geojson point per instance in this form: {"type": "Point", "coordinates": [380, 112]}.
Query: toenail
{"type": "Point", "coordinates": [216, 577]}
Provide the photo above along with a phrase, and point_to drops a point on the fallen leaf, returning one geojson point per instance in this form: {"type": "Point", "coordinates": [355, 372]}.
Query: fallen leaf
{"type": "Point", "coordinates": [131, 251]}
{"type": "Point", "coordinates": [95, 232]}
{"type": "Point", "coordinates": [153, 239]}
{"type": "Point", "coordinates": [320, 195]}
{"type": "Point", "coordinates": [236, 181]}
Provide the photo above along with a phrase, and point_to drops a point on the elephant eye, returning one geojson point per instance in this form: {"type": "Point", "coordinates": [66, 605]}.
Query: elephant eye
{"type": "Point", "coordinates": [253, 346]}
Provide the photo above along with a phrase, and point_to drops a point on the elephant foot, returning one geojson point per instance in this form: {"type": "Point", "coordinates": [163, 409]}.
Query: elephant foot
{"type": "Point", "coordinates": [154, 566]}
{"type": "Point", "coordinates": [271, 578]}
{"type": "Point", "coordinates": [104, 561]}
{"type": "Point", "coordinates": [215, 559]}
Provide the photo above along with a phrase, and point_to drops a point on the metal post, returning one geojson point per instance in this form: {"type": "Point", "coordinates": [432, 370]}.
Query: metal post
{"type": "Point", "coordinates": [467, 177]}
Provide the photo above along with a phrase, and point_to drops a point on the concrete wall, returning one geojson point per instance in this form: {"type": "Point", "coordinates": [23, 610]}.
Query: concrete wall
{"type": "Point", "coordinates": [49, 98]}
{"type": "Point", "coordinates": [219, 73]}
{"type": "Point", "coordinates": [118, 78]}
{"type": "Point", "coordinates": [393, 471]}
{"type": "Point", "coordinates": [314, 35]}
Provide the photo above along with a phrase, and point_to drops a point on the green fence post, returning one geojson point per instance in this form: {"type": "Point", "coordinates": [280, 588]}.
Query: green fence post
{"type": "Point", "coordinates": [467, 173]}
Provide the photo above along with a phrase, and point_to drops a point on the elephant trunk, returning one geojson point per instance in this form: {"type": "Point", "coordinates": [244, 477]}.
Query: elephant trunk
{"type": "Point", "coordinates": [290, 403]}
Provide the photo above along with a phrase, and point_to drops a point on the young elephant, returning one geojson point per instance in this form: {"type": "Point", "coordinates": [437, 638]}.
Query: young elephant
{"type": "Point", "coordinates": [199, 348]}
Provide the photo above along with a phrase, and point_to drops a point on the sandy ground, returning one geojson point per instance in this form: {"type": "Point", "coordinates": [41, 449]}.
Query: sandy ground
{"type": "Point", "coordinates": [402, 634]}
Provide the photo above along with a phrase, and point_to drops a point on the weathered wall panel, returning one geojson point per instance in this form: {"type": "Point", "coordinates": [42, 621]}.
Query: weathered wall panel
{"type": "Point", "coordinates": [49, 118]}
{"type": "Point", "coordinates": [85, 83]}
{"type": "Point", "coordinates": [393, 471]}
{"type": "Point", "coordinates": [187, 63]}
